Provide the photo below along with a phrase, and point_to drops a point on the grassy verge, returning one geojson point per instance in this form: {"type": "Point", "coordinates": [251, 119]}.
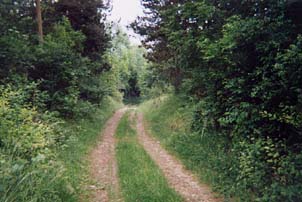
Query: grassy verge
{"type": "Point", "coordinates": [170, 120]}
{"type": "Point", "coordinates": [140, 178]}
{"type": "Point", "coordinates": [83, 136]}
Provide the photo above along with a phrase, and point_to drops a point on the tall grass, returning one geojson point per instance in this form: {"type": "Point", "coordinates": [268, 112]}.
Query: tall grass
{"type": "Point", "coordinates": [84, 132]}
{"type": "Point", "coordinates": [141, 179]}
{"type": "Point", "coordinates": [41, 162]}
{"type": "Point", "coordinates": [170, 119]}
{"type": "Point", "coordinates": [29, 167]}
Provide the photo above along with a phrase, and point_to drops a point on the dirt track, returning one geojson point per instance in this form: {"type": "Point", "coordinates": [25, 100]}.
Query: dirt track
{"type": "Point", "coordinates": [104, 166]}
{"type": "Point", "coordinates": [178, 177]}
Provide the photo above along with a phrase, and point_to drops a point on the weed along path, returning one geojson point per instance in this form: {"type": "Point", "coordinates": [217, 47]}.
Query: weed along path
{"type": "Point", "coordinates": [179, 178]}
{"type": "Point", "coordinates": [103, 164]}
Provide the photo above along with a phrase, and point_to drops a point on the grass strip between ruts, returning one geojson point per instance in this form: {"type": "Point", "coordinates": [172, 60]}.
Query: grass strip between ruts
{"type": "Point", "coordinates": [140, 178]}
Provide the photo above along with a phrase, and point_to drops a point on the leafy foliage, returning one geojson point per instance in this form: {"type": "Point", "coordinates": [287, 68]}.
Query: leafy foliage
{"type": "Point", "coordinates": [87, 17]}
{"type": "Point", "coordinates": [27, 138]}
{"type": "Point", "coordinates": [130, 65]}
{"type": "Point", "coordinates": [43, 88]}
{"type": "Point", "coordinates": [240, 63]}
{"type": "Point", "coordinates": [58, 66]}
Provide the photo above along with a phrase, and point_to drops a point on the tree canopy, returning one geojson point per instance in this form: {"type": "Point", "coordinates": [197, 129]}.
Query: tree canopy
{"type": "Point", "coordinates": [241, 61]}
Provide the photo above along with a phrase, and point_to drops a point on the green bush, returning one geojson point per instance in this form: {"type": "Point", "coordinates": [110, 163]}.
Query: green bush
{"type": "Point", "coordinates": [43, 87]}
{"type": "Point", "coordinates": [15, 54]}
{"type": "Point", "coordinates": [241, 64]}
{"type": "Point", "coordinates": [29, 170]}
{"type": "Point", "coordinates": [64, 77]}
{"type": "Point", "coordinates": [268, 170]}
{"type": "Point", "coordinates": [242, 169]}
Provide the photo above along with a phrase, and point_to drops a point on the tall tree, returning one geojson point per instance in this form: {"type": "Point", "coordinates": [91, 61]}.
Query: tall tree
{"type": "Point", "coordinates": [87, 16]}
{"type": "Point", "coordinates": [241, 60]}
{"type": "Point", "coordinates": [39, 20]}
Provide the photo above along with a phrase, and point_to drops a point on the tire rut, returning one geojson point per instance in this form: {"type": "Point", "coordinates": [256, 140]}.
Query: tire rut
{"type": "Point", "coordinates": [103, 164]}
{"type": "Point", "coordinates": [178, 177]}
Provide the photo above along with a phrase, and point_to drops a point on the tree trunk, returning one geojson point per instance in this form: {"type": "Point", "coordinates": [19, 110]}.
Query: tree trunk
{"type": "Point", "coordinates": [39, 20]}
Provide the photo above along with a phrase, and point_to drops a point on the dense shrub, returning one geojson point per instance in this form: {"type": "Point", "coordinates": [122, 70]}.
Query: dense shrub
{"type": "Point", "coordinates": [42, 85]}
{"type": "Point", "coordinates": [241, 64]}
{"type": "Point", "coordinates": [66, 78]}
{"type": "Point", "coordinates": [29, 170]}
{"type": "Point", "coordinates": [255, 169]}
{"type": "Point", "coordinates": [15, 54]}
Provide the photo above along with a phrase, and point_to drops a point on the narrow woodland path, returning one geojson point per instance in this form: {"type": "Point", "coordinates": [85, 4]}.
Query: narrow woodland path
{"type": "Point", "coordinates": [104, 168]}
{"type": "Point", "coordinates": [178, 177]}
{"type": "Point", "coordinates": [103, 163]}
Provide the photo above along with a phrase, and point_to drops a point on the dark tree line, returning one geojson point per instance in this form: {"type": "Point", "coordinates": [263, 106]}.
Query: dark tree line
{"type": "Point", "coordinates": [52, 80]}
{"type": "Point", "coordinates": [70, 62]}
{"type": "Point", "coordinates": [241, 63]}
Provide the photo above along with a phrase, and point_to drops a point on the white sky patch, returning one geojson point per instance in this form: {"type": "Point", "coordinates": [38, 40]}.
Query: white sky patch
{"type": "Point", "coordinates": [125, 12]}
